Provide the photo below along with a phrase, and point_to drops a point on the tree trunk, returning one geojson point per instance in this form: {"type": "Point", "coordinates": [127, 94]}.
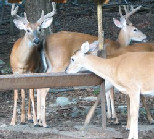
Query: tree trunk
{"type": "Point", "coordinates": [33, 9]}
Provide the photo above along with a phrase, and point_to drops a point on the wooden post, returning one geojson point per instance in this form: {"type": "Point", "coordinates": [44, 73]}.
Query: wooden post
{"type": "Point", "coordinates": [100, 21]}
{"type": "Point", "coordinates": [100, 27]}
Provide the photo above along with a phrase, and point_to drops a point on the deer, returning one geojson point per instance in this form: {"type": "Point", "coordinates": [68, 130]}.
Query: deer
{"type": "Point", "coordinates": [25, 56]}
{"type": "Point", "coordinates": [143, 47]}
{"type": "Point", "coordinates": [65, 43]}
{"type": "Point", "coordinates": [130, 81]}
{"type": "Point", "coordinates": [114, 51]}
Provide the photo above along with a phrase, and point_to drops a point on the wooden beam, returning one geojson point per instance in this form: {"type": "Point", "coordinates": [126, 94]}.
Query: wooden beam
{"type": "Point", "coordinates": [50, 80]}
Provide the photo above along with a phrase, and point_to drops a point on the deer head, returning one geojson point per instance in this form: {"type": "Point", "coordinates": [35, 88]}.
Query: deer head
{"type": "Point", "coordinates": [128, 32]}
{"type": "Point", "coordinates": [77, 62]}
{"type": "Point", "coordinates": [32, 30]}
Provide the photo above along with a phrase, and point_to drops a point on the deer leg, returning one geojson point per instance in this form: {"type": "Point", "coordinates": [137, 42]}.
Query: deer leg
{"type": "Point", "coordinates": [91, 112]}
{"type": "Point", "coordinates": [128, 114]}
{"type": "Point", "coordinates": [108, 102]}
{"type": "Point", "coordinates": [114, 116]}
{"type": "Point", "coordinates": [29, 110]}
{"type": "Point", "coordinates": [134, 109]}
{"type": "Point", "coordinates": [43, 96]}
{"type": "Point", "coordinates": [23, 106]}
{"type": "Point", "coordinates": [150, 119]}
{"type": "Point", "coordinates": [39, 107]}
{"type": "Point", "coordinates": [14, 118]}
{"type": "Point", "coordinates": [31, 91]}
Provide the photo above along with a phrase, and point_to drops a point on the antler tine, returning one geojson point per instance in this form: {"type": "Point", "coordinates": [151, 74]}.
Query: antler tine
{"type": "Point", "coordinates": [42, 14]}
{"type": "Point", "coordinates": [125, 8]}
{"type": "Point", "coordinates": [122, 17]}
{"type": "Point", "coordinates": [42, 17]}
{"type": "Point", "coordinates": [14, 10]}
{"type": "Point", "coordinates": [54, 6]}
{"type": "Point", "coordinates": [49, 15]}
{"type": "Point", "coordinates": [120, 11]}
{"type": "Point", "coordinates": [25, 18]}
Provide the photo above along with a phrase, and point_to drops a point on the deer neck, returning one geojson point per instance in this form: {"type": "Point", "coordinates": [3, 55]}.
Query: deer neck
{"type": "Point", "coordinates": [123, 38]}
{"type": "Point", "coordinates": [104, 68]}
{"type": "Point", "coordinates": [25, 49]}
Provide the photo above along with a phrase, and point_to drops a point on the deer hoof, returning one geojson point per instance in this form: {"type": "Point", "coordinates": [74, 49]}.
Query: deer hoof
{"type": "Point", "coordinates": [12, 123]}
{"type": "Point", "coordinates": [36, 125]}
{"type": "Point", "coordinates": [22, 123]}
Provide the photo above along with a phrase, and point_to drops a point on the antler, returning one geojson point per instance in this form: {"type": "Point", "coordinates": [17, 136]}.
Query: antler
{"type": "Point", "coordinates": [49, 15]}
{"type": "Point", "coordinates": [131, 11]}
{"type": "Point", "coordinates": [128, 12]}
{"type": "Point", "coordinates": [14, 11]}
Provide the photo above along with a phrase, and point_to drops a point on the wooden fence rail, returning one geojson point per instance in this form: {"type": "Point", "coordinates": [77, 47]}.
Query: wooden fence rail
{"type": "Point", "coordinates": [52, 80]}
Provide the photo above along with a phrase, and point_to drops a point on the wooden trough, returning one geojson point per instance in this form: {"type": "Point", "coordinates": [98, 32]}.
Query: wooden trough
{"type": "Point", "coordinates": [50, 80]}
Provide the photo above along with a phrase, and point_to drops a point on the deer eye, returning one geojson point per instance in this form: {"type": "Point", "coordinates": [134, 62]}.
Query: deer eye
{"type": "Point", "coordinates": [72, 59]}
{"type": "Point", "coordinates": [135, 29]}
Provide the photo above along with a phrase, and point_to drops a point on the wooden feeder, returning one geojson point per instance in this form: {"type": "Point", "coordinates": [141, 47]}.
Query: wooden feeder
{"type": "Point", "coordinates": [14, 1]}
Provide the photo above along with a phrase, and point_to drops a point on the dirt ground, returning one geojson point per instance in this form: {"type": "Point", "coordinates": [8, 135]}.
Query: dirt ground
{"type": "Point", "coordinates": [65, 122]}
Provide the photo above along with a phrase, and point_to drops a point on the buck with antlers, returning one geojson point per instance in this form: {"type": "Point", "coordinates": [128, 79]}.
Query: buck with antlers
{"type": "Point", "coordinates": [59, 47]}
{"type": "Point", "coordinates": [130, 81]}
{"type": "Point", "coordinates": [25, 57]}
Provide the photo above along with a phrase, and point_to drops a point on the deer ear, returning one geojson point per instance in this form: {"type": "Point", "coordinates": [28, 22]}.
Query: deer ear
{"type": "Point", "coordinates": [46, 23]}
{"type": "Point", "coordinates": [117, 23]}
{"type": "Point", "coordinates": [19, 24]}
{"type": "Point", "coordinates": [85, 47]}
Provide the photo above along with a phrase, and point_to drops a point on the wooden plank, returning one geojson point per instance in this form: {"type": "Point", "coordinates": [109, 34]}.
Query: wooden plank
{"type": "Point", "coordinates": [48, 80]}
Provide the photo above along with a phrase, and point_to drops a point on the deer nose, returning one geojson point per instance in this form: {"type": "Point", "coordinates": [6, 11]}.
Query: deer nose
{"type": "Point", "coordinates": [36, 41]}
